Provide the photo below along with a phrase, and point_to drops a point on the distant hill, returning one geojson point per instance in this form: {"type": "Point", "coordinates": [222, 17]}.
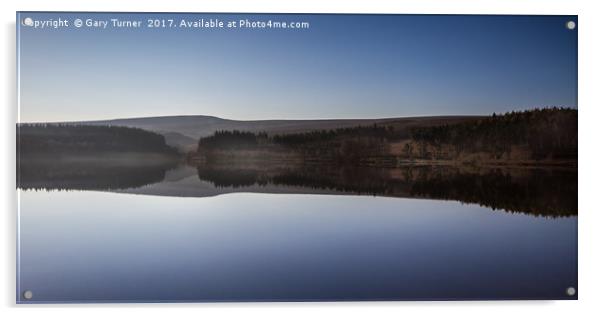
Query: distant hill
{"type": "Point", "coordinates": [185, 131]}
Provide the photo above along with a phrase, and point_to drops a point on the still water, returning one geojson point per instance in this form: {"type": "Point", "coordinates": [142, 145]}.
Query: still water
{"type": "Point", "coordinates": [165, 241]}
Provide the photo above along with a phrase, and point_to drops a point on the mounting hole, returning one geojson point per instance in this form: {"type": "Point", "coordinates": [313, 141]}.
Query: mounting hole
{"type": "Point", "coordinates": [571, 25]}
{"type": "Point", "coordinates": [28, 295]}
{"type": "Point", "coordinates": [570, 291]}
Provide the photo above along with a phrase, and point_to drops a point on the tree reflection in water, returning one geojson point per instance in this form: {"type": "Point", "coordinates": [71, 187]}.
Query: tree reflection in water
{"type": "Point", "coordinates": [544, 192]}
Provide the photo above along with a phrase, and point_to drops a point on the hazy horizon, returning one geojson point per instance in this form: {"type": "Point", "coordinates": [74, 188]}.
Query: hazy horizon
{"type": "Point", "coordinates": [280, 119]}
{"type": "Point", "coordinates": [342, 67]}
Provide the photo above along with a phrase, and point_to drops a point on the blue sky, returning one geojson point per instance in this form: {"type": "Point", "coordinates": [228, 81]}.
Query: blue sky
{"type": "Point", "coordinates": [343, 66]}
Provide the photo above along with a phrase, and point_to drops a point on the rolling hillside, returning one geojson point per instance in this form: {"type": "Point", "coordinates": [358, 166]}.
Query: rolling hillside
{"type": "Point", "coordinates": [185, 131]}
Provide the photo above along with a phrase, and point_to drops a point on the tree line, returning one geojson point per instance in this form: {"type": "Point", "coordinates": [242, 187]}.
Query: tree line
{"type": "Point", "coordinates": [60, 139]}
{"type": "Point", "coordinates": [547, 133]}
{"type": "Point", "coordinates": [542, 133]}
{"type": "Point", "coordinates": [233, 140]}
{"type": "Point", "coordinates": [343, 145]}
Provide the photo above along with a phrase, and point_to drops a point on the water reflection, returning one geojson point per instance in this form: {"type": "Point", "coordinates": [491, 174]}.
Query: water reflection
{"type": "Point", "coordinates": [85, 246]}
{"type": "Point", "coordinates": [542, 192]}
{"type": "Point", "coordinates": [90, 174]}
{"type": "Point", "coordinates": [549, 192]}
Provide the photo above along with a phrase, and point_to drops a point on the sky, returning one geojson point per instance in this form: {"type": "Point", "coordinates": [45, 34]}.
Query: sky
{"type": "Point", "coordinates": [342, 66]}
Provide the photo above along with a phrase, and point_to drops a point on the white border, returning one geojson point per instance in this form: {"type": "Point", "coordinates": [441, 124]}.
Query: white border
{"type": "Point", "coordinates": [590, 216]}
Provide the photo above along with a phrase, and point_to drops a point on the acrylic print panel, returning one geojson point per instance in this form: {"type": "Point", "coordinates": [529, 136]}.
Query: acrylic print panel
{"type": "Point", "coordinates": [170, 157]}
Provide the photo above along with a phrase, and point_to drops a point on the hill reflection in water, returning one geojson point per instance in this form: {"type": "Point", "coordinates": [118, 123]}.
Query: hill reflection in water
{"type": "Point", "coordinates": [543, 192]}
